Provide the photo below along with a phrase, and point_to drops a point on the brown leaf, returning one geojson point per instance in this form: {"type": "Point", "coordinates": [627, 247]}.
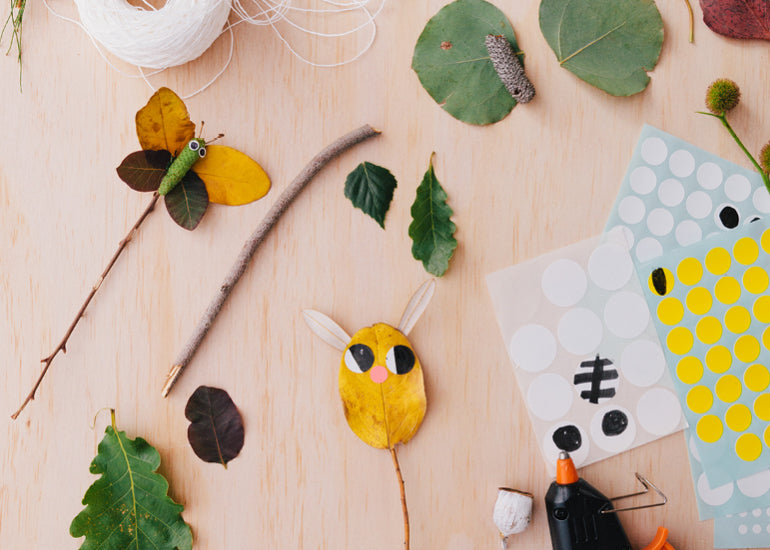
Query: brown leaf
{"type": "Point", "coordinates": [216, 429]}
{"type": "Point", "coordinates": [164, 124]}
{"type": "Point", "coordinates": [738, 18]}
{"type": "Point", "coordinates": [144, 170]}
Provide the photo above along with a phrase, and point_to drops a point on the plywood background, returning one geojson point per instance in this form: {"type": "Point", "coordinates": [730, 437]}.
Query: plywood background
{"type": "Point", "coordinates": [542, 178]}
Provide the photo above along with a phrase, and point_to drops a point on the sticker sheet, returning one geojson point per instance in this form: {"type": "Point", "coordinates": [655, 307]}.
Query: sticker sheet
{"type": "Point", "coordinates": [675, 194]}
{"type": "Point", "coordinates": [745, 530]}
{"type": "Point", "coordinates": [732, 498]}
{"type": "Point", "coordinates": [586, 356]}
{"type": "Point", "coordinates": [710, 304]}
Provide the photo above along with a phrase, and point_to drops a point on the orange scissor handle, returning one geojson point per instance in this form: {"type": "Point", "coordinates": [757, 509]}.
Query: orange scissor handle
{"type": "Point", "coordinates": [659, 542]}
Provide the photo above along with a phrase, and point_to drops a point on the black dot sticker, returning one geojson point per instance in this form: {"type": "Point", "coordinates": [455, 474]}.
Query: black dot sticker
{"type": "Point", "coordinates": [614, 422]}
{"type": "Point", "coordinates": [567, 438]}
{"type": "Point", "coordinates": [728, 216]}
{"type": "Point", "coordinates": [659, 281]}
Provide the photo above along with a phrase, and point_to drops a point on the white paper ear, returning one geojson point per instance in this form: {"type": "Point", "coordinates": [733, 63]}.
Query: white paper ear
{"type": "Point", "coordinates": [326, 329]}
{"type": "Point", "coordinates": [416, 306]}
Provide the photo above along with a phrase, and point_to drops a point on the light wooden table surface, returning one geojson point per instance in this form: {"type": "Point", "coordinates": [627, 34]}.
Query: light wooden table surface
{"type": "Point", "coordinates": [542, 178]}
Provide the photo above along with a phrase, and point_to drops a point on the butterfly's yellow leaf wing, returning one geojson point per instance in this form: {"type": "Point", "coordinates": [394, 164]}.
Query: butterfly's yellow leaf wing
{"type": "Point", "coordinates": [164, 124]}
{"type": "Point", "coordinates": [231, 177]}
{"type": "Point", "coordinates": [382, 412]}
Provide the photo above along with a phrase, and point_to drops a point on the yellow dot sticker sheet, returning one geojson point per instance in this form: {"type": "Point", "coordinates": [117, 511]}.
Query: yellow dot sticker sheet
{"type": "Point", "coordinates": [711, 306]}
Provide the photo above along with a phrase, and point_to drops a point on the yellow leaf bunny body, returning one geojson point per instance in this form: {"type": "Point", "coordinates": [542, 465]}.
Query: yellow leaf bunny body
{"type": "Point", "coordinates": [380, 380]}
{"type": "Point", "coordinates": [381, 386]}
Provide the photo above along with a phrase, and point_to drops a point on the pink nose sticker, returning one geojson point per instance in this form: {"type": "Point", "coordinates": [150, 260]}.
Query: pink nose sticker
{"type": "Point", "coordinates": [378, 374]}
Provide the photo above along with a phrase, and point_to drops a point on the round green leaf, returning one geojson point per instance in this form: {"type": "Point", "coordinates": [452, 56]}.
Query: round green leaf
{"type": "Point", "coordinates": [453, 65]}
{"type": "Point", "coordinates": [611, 44]}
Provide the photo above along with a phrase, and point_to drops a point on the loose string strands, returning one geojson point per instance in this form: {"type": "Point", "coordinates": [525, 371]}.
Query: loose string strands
{"type": "Point", "coordinates": [62, 347]}
{"type": "Point", "coordinates": [182, 30]}
{"type": "Point", "coordinates": [252, 244]}
{"type": "Point", "coordinates": [403, 496]}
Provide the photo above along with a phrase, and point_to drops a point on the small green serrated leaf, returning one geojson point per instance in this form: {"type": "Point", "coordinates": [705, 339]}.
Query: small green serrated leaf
{"type": "Point", "coordinates": [187, 202]}
{"type": "Point", "coordinates": [370, 188]}
{"type": "Point", "coordinates": [432, 229]}
{"type": "Point", "coordinates": [611, 44]}
{"type": "Point", "coordinates": [127, 507]}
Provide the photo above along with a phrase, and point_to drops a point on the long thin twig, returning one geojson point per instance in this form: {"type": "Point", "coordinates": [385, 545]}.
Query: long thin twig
{"type": "Point", "coordinates": [403, 497]}
{"type": "Point", "coordinates": [692, 21]}
{"type": "Point", "coordinates": [252, 244]}
{"type": "Point", "coordinates": [62, 347]}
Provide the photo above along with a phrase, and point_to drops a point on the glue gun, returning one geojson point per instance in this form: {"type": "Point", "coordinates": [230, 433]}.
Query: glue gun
{"type": "Point", "coordinates": [582, 518]}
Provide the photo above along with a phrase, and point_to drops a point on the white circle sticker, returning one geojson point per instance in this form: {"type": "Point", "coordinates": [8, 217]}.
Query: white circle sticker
{"type": "Point", "coordinates": [658, 411]}
{"type": "Point", "coordinates": [549, 396]}
{"type": "Point", "coordinates": [626, 314]}
{"type": "Point", "coordinates": [564, 283]}
{"type": "Point", "coordinates": [642, 363]}
{"type": "Point", "coordinates": [580, 331]}
{"type": "Point", "coordinates": [654, 151]}
{"type": "Point", "coordinates": [533, 348]}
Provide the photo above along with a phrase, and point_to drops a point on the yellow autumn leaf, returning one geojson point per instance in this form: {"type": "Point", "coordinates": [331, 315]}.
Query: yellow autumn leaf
{"type": "Point", "coordinates": [382, 407]}
{"type": "Point", "coordinates": [231, 177]}
{"type": "Point", "coordinates": [164, 124]}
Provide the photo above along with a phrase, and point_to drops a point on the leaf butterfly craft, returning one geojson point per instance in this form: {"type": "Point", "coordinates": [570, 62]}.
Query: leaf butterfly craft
{"type": "Point", "coordinates": [380, 379]}
{"type": "Point", "coordinates": [187, 171]}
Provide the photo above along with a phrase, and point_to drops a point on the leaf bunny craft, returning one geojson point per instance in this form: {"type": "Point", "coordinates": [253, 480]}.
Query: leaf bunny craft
{"type": "Point", "coordinates": [380, 379]}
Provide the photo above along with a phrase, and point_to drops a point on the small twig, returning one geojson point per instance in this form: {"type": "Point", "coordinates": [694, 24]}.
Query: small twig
{"type": "Point", "coordinates": [403, 497]}
{"type": "Point", "coordinates": [692, 21]}
{"type": "Point", "coordinates": [15, 18]}
{"type": "Point", "coordinates": [252, 244]}
{"type": "Point", "coordinates": [62, 347]}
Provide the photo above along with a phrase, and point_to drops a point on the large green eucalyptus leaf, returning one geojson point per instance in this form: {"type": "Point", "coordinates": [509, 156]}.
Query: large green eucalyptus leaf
{"type": "Point", "coordinates": [432, 230]}
{"type": "Point", "coordinates": [127, 508]}
{"type": "Point", "coordinates": [611, 44]}
{"type": "Point", "coordinates": [453, 65]}
{"type": "Point", "coordinates": [370, 188]}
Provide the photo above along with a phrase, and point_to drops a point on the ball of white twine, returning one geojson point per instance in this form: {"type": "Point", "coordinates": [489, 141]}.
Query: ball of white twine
{"type": "Point", "coordinates": [175, 34]}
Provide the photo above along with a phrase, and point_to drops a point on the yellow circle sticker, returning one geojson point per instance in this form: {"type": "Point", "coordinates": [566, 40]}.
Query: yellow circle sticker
{"type": "Point", "coordinates": [661, 281]}
{"type": "Point", "coordinates": [766, 241]}
{"type": "Point", "coordinates": [756, 378]}
{"type": "Point", "coordinates": [737, 319]}
{"type": "Point", "coordinates": [718, 359]}
{"type": "Point", "coordinates": [728, 388]}
{"type": "Point", "coordinates": [746, 251]}
{"type": "Point", "coordinates": [689, 271]}
{"type": "Point", "coordinates": [699, 399]}
{"type": "Point", "coordinates": [755, 280]}
{"type": "Point", "coordinates": [670, 311]}
{"type": "Point", "coordinates": [727, 290]}
{"type": "Point", "coordinates": [709, 428]}
{"type": "Point", "coordinates": [761, 309]}
{"type": "Point", "coordinates": [746, 348]}
{"type": "Point", "coordinates": [738, 418]}
{"type": "Point", "coordinates": [718, 261]}
{"type": "Point", "coordinates": [762, 407]}
{"type": "Point", "coordinates": [748, 447]}
{"type": "Point", "coordinates": [708, 330]}
{"type": "Point", "coordinates": [679, 340]}
{"type": "Point", "coordinates": [699, 300]}
{"type": "Point", "coordinates": [689, 370]}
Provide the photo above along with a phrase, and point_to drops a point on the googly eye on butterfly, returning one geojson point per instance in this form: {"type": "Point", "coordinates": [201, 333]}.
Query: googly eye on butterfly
{"type": "Point", "coordinates": [380, 378]}
{"type": "Point", "coordinates": [188, 172]}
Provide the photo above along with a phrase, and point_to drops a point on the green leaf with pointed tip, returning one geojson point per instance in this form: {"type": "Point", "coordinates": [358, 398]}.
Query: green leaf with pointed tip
{"type": "Point", "coordinates": [611, 44]}
{"type": "Point", "coordinates": [370, 188]}
{"type": "Point", "coordinates": [432, 229]}
{"type": "Point", "coordinates": [453, 65]}
{"type": "Point", "coordinates": [127, 508]}
{"type": "Point", "coordinates": [187, 202]}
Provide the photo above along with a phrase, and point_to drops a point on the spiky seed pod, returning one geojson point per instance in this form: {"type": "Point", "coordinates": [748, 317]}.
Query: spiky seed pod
{"type": "Point", "coordinates": [509, 68]}
{"type": "Point", "coordinates": [722, 96]}
{"type": "Point", "coordinates": [764, 158]}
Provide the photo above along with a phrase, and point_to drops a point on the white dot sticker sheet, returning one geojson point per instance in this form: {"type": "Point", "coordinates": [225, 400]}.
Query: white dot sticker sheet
{"type": "Point", "coordinates": [675, 194]}
{"type": "Point", "coordinates": [586, 355]}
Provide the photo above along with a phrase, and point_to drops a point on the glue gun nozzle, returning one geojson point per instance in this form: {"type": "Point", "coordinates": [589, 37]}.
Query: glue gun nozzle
{"type": "Point", "coordinates": [566, 473]}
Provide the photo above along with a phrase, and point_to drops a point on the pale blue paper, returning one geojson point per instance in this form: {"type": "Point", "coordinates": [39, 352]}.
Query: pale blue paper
{"type": "Point", "coordinates": [720, 463]}
{"type": "Point", "coordinates": [748, 530]}
{"type": "Point", "coordinates": [644, 244]}
{"type": "Point", "coordinates": [733, 497]}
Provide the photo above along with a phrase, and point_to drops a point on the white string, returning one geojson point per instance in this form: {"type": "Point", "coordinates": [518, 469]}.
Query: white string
{"type": "Point", "coordinates": [182, 30]}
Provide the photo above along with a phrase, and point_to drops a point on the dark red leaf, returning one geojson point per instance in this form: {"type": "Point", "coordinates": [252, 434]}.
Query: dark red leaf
{"type": "Point", "coordinates": [143, 170]}
{"type": "Point", "coordinates": [738, 18]}
{"type": "Point", "coordinates": [187, 202]}
{"type": "Point", "coordinates": [216, 429]}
